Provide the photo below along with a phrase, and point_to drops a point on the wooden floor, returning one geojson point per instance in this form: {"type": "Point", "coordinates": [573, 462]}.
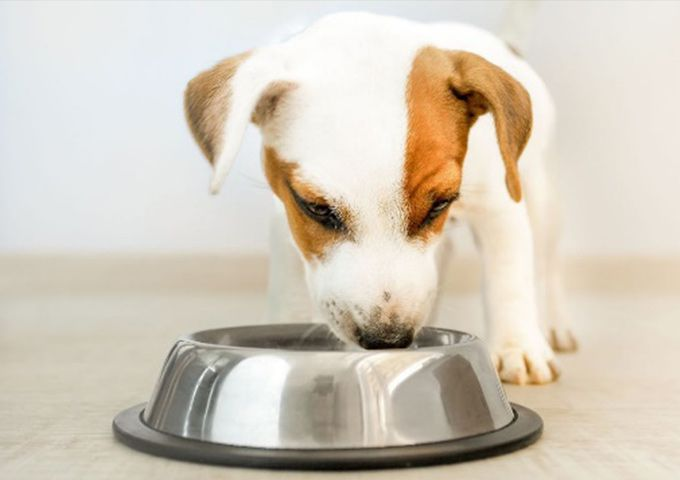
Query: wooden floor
{"type": "Point", "coordinates": [70, 362]}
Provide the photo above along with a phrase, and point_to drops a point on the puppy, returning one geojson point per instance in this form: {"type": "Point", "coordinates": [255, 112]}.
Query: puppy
{"type": "Point", "coordinates": [376, 130]}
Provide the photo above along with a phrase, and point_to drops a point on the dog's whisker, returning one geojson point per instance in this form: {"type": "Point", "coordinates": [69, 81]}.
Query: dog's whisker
{"type": "Point", "coordinates": [254, 182]}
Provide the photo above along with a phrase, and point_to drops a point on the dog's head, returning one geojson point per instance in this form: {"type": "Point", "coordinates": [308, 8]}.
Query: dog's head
{"type": "Point", "coordinates": [364, 141]}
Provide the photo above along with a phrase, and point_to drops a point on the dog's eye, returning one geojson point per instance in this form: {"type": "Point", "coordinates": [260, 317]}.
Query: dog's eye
{"type": "Point", "coordinates": [321, 213]}
{"type": "Point", "coordinates": [319, 210]}
{"type": "Point", "coordinates": [438, 206]}
{"type": "Point", "coordinates": [324, 214]}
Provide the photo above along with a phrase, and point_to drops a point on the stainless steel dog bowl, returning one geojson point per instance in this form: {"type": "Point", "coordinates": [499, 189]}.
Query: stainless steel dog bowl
{"type": "Point", "coordinates": [294, 396]}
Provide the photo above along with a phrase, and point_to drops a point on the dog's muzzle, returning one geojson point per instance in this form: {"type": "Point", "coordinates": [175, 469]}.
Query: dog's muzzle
{"type": "Point", "coordinates": [376, 336]}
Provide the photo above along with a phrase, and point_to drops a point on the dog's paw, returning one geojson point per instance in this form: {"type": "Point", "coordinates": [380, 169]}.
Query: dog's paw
{"type": "Point", "coordinates": [527, 362]}
{"type": "Point", "coordinates": [562, 340]}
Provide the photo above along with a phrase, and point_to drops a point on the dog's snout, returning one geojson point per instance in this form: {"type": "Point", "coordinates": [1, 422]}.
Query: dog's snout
{"type": "Point", "coordinates": [372, 338]}
{"type": "Point", "coordinates": [388, 321]}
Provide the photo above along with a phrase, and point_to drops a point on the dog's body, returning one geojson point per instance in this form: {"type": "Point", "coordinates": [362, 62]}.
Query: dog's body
{"type": "Point", "coordinates": [366, 121]}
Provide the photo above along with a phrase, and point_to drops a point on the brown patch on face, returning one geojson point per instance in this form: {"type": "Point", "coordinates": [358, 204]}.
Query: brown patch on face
{"type": "Point", "coordinates": [438, 125]}
{"type": "Point", "coordinates": [269, 101]}
{"type": "Point", "coordinates": [446, 92]}
{"type": "Point", "coordinates": [312, 238]}
{"type": "Point", "coordinates": [206, 103]}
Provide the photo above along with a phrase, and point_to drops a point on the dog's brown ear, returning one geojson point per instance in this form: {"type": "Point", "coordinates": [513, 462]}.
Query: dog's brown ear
{"type": "Point", "coordinates": [484, 86]}
{"type": "Point", "coordinates": [220, 102]}
{"type": "Point", "coordinates": [206, 102]}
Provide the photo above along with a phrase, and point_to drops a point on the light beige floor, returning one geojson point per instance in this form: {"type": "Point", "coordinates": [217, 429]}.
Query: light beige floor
{"type": "Point", "coordinates": [69, 363]}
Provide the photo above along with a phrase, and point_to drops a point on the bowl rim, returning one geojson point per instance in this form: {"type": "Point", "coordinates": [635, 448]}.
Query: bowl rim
{"type": "Point", "coordinates": [469, 340]}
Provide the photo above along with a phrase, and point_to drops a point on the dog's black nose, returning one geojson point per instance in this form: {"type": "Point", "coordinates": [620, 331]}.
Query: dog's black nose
{"type": "Point", "coordinates": [376, 338]}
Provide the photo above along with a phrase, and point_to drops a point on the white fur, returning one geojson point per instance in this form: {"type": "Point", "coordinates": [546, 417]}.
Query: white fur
{"type": "Point", "coordinates": [345, 126]}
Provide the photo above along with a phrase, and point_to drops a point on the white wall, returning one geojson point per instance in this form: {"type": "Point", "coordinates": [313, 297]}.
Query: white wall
{"type": "Point", "coordinates": [95, 155]}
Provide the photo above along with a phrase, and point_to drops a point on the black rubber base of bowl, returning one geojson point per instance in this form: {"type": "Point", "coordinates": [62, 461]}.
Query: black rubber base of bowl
{"type": "Point", "coordinates": [524, 430]}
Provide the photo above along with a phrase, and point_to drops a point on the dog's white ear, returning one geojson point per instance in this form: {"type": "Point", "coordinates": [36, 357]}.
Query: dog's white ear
{"type": "Point", "coordinates": [487, 87]}
{"type": "Point", "coordinates": [220, 102]}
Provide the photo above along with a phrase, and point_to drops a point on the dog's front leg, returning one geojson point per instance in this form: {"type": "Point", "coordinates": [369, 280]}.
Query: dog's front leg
{"type": "Point", "coordinates": [520, 351]}
{"type": "Point", "coordinates": [287, 295]}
